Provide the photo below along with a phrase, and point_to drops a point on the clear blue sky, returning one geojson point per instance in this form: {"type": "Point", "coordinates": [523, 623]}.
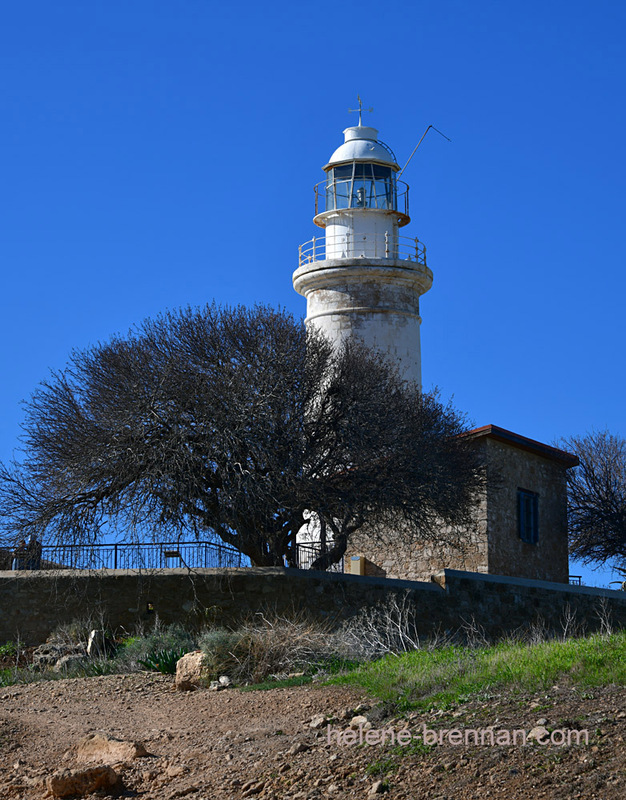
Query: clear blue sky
{"type": "Point", "coordinates": [157, 154]}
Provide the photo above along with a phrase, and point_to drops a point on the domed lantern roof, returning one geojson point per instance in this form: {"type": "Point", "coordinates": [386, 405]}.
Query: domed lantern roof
{"type": "Point", "coordinates": [361, 144]}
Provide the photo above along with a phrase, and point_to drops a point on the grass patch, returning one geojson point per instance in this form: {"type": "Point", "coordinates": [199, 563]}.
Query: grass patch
{"type": "Point", "coordinates": [441, 678]}
{"type": "Point", "coordinates": [391, 761]}
{"type": "Point", "coordinates": [382, 766]}
{"type": "Point", "coordinates": [8, 650]}
{"type": "Point", "coordinates": [8, 677]}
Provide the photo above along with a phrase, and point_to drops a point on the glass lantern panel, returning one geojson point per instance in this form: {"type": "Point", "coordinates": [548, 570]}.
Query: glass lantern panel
{"type": "Point", "coordinates": [338, 187]}
{"type": "Point", "coordinates": [361, 185]}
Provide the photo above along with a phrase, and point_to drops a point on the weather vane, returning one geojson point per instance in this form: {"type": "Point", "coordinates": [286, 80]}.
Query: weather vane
{"type": "Point", "coordinates": [359, 109]}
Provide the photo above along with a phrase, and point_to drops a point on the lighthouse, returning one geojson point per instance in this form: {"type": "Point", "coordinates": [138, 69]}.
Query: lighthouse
{"type": "Point", "coordinates": [360, 277]}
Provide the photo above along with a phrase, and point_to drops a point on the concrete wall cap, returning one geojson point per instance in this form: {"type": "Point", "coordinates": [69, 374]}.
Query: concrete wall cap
{"type": "Point", "coordinates": [505, 580]}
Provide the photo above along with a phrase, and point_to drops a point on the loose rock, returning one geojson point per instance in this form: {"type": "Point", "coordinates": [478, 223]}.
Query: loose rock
{"type": "Point", "coordinates": [539, 733]}
{"type": "Point", "coordinates": [300, 747]}
{"type": "Point", "coordinates": [254, 789]}
{"type": "Point", "coordinates": [191, 671]}
{"type": "Point", "coordinates": [107, 749]}
{"type": "Point", "coordinates": [360, 722]}
{"type": "Point", "coordinates": [48, 654]}
{"type": "Point", "coordinates": [69, 661]}
{"type": "Point", "coordinates": [80, 782]}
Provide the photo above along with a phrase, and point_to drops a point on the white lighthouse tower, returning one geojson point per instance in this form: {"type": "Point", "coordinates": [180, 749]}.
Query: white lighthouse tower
{"type": "Point", "coordinates": [362, 278]}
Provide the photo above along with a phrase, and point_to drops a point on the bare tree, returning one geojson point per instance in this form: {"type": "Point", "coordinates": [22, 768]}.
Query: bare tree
{"type": "Point", "coordinates": [597, 498]}
{"type": "Point", "coordinates": [234, 424]}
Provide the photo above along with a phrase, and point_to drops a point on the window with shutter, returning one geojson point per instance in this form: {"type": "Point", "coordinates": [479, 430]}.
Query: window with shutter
{"type": "Point", "coordinates": [528, 516]}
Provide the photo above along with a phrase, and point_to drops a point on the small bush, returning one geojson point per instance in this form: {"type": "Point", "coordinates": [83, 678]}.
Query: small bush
{"type": "Point", "coordinates": [137, 649]}
{"type": "Point", "coordinates": [390, 627]}
{"type": "Point", "coordinates": [7, 677]}
{"type": "Point", "coordinates": [276, 647]}
{"type": "Point", "coordinates": [129, 641]}
{"type": "Point", "coordinates": [164, 661]}
{"type": "Point", "coordinates": [8, 650]}
{"type": "Point", "coordinates": [95, 668]}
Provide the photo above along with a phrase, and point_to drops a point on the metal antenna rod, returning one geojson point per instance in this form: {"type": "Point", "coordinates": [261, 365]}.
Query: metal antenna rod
{"type": "Point", "coordinates": [419, 143]}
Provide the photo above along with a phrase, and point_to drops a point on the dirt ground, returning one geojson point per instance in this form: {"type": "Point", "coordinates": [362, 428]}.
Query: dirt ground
{"type": "Point", "coordinates": [204, 744]}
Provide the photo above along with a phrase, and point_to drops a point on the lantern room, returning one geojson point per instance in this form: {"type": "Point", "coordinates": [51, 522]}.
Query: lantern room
{"type": "Point", "coordinates": [361, 175]}
{"type": "Point", "coordinates": [362, 204]}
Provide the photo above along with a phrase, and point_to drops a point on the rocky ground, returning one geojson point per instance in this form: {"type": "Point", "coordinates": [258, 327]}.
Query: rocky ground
{"type": "Point", "coordinates": [274, 744]}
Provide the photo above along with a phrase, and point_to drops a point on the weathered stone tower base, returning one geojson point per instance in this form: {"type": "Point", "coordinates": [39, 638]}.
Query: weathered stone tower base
{"type": "Point", "coordinates": [376, 301]}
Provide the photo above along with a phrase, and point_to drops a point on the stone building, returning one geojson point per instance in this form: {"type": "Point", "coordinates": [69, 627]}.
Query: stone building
{"type": "Point", "coordinates": [520, 524]}
{"type": "Point", "coordinates": [363, 279]}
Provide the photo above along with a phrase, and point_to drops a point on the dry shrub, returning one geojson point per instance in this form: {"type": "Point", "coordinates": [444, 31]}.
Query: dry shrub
{"type": "Point", "coordinates": [378, 630]}
{"type": "Point", "coordinates": [223, 650]}
{"type": "Point", "coordinates": [604, 615]}
{"type": "Point", "coordinates": [268, 646]}
{"type": "Point", "coordinates": [472, 633]}
{"type": "Point", "coordinates": [76, 631]}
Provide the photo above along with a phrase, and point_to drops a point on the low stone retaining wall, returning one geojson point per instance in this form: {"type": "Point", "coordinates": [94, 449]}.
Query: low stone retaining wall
{"type": "Point", "coordinates": [32, 604]}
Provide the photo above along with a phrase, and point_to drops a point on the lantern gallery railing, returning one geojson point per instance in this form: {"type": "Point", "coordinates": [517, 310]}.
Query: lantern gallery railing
{"type": "Point", "coordinates": [386, 195]}
{"type": "Point", "coordinates": [403, 248]}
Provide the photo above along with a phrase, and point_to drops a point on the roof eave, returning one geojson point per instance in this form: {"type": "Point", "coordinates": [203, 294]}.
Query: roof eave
{"type": "Point", "coordinates": [524, 443]}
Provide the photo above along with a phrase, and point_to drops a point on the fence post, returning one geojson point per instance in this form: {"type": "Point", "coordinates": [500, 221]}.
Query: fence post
{"type": "Point", "coordinates": [115, 556]}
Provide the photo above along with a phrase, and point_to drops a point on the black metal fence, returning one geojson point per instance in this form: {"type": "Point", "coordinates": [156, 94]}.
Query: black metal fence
{"type": "Point", "coordinates": [307, 553]}
{"type": "Point", "coordinates": [144, 555]}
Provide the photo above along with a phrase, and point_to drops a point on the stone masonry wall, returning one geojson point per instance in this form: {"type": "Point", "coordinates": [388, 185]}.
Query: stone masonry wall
{"type": "Point", "coordinates": [546, 560]}
{"type": "Point", "coordinates": [32, 604]}
{"type": "Point", "coordinates": [492, 542]}
{"type": "Point", "coordinates": [396, 554]}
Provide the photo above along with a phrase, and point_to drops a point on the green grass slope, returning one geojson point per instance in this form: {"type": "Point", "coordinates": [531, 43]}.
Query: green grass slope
{"type": "Point", "coordinates": [440, 677]}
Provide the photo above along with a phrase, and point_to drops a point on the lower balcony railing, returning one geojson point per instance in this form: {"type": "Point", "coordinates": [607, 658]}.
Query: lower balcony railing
{"type": "Point", "coordinates": [386, 245]}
